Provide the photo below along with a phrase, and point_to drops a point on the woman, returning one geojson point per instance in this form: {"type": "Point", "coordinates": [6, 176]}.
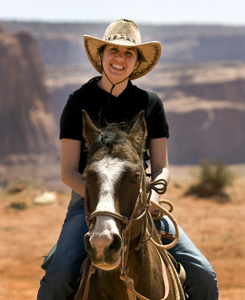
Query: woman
{"type": "Point", "coordinates": [119, 57]}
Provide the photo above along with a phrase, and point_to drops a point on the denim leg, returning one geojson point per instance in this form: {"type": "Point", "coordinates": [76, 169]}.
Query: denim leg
{"type": "Point", "coordinates": [61, 275]}
{"type": "Point", "coordinates": [201, 283]}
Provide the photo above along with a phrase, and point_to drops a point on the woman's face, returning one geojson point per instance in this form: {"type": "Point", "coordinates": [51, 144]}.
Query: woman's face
{"type": "Point", "coordinates": [119, 62]}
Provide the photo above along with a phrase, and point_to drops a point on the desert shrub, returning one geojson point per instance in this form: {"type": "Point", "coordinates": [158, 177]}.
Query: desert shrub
{"type": "Point", "coordinates": [21, 185]}
{"type": "Point", "coordinates": [16, 187]}
{"type": "Point", "coordinates": [18, 205]}
{"type": "Point", "coordinates": [212, 180]}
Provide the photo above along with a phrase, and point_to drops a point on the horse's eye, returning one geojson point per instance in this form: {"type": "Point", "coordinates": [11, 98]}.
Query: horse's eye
{"type": "Point", "coordinates": [136, 179]}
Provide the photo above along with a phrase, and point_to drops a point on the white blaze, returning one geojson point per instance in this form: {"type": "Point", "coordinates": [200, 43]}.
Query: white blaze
{"type": "Point", "coordinates": [109, 171]}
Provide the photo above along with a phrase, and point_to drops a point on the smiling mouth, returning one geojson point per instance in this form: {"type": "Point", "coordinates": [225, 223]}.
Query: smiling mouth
{"type": "Point", "coordinates": [117, 67]}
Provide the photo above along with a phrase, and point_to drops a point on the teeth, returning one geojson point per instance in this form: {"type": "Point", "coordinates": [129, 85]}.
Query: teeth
{"type": "Point", "coordinates": [117, 67]}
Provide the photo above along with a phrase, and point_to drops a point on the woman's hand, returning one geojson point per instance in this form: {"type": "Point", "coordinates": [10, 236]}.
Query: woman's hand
{"type": "Point", "coordinates": [152, 207]}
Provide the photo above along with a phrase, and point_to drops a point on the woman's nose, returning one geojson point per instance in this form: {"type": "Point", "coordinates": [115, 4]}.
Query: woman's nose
{"type": "Point", "coordinates": [120, 56]}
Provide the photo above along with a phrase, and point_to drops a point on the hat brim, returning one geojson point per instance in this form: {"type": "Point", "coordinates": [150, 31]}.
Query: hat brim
{"type": "Point", "coordinates": [150, 51]}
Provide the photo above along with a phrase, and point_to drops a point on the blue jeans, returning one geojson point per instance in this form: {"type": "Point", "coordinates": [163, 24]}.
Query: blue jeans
{"type": "Point", "coordinates": [61, 275]}
{"type": "Point", "coordinates": [201, 283]}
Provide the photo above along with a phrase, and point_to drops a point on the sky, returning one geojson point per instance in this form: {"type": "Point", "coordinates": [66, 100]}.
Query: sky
{"type": "Point", "coordinates": [220, 12]}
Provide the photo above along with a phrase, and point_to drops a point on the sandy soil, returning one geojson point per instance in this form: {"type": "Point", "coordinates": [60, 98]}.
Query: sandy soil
{"type": "Point", "coordinates": [216, 227]}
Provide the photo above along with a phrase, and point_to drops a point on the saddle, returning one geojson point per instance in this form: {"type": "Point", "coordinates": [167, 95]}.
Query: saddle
{"type": "Point", "coordinates": [48, 258]}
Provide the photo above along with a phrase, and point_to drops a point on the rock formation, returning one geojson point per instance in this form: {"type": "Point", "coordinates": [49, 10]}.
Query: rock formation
{"type": "Point", "coordinates": [62, 43]}
{"type": "Point", "coordinates": [27, 124]}
{"type": "Point", "coordinates": [200, 78]}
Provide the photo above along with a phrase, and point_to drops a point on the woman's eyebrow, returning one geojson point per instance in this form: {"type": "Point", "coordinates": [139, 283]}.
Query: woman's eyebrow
{"type": "Point", "coordinates": [128, 48]}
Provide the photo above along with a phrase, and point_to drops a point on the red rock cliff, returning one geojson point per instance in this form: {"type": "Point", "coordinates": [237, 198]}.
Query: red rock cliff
{"type": "Point", "coordinates": [26, 122]}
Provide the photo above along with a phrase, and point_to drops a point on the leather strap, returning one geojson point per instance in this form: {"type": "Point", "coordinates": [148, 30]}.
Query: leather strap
{"type": "Point", "coordinates": [86, 291]}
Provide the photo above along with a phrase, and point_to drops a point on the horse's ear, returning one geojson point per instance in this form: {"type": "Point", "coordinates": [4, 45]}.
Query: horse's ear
{"type": "Point", "coordinates": [138, 132]}
{"type": "Point", "coordinates": [90, 131]}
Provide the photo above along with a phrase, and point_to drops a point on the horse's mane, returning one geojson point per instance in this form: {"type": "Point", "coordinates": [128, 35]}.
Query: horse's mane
{"type": "Point", "coordinates": [113, 133]}
{"type": "Point", "coordinates": [109, 136]}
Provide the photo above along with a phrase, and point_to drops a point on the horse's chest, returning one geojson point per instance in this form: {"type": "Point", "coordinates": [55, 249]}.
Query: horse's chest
{"type": "Point", "coordinates": [104, 287]}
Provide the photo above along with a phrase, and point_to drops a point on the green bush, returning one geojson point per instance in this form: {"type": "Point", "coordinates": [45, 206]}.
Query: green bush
{"type": "Point", "coordinates": [213, 179]}
{"type": "Point", "coordinates": [18, 205]}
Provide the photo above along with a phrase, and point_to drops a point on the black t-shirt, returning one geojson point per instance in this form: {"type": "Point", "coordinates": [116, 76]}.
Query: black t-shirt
{"type": "Point", "coordinates": [104, 108]}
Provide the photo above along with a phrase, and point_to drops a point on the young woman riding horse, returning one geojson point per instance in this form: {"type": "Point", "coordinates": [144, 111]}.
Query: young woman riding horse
{"type": "Point", "coordinates": [119, 57]}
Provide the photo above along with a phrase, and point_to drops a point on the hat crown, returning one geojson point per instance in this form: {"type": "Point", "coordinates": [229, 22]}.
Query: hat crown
{"type": "Point", "coordinates": [123, 30]}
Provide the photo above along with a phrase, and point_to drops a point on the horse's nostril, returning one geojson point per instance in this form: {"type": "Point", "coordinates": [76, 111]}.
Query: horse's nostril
{"type": "Point", "coordinates": [116, 244]}
{"type": "Point", "coordinates": [88, 246]}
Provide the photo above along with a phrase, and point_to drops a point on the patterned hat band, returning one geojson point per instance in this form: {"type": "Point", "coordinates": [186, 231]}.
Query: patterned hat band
{"type": "Point", "coordinates": [119, 37]}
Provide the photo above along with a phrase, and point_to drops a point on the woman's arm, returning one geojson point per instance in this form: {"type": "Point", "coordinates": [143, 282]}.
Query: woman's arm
{"type": "Point", "coordinates": [159, 164]}
{"type": "Point", "coordinates": [70, 156]}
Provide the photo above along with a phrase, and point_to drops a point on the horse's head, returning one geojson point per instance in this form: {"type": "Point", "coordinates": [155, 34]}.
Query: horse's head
{"type": "Point", "coordinates": [115, 187]}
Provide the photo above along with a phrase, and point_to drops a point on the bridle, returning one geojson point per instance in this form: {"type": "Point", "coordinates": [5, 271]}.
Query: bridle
{"type": "Point", "coordinates": [159, 186]}
{"type": "Point", "coordinates": [123, 219]}
{"type": "Point", "coordinates": [127, 222]}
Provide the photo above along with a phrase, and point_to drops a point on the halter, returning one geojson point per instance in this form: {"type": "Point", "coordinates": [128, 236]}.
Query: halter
{"type": "Point", "coordinates": [127, 222]}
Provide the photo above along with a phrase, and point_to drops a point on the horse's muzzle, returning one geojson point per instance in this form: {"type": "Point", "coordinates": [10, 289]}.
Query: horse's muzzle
{"type": "Point", "coordinates": [104, 249]}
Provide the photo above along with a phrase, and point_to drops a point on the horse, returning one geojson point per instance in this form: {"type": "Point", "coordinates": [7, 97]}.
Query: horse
{"type": "Point", "coordinates": [124, 261]}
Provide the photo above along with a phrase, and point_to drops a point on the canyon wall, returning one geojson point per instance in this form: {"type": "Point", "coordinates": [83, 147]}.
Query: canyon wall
{"type": "Point", "coordinates": [27, 124]}
{"type": "Point", "coordinates": [62, 43]}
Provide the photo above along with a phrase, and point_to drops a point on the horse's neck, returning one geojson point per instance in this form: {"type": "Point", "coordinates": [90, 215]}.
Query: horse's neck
{"type": "Point", "coordinates": [108, 285]}
{"type": "Point", "coordinates": [138, 262]}
{"type": "Point", "coordinates": [143, 265]}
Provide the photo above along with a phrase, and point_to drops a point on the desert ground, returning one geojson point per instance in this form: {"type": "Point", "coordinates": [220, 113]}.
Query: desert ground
{"type": "Point", "coordinates": [216, 226]}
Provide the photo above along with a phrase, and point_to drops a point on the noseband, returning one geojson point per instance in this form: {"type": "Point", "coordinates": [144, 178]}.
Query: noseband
{"type": "Point", "coordinates": [123, 219]}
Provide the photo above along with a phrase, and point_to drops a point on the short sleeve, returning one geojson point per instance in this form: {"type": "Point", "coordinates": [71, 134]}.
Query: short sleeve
{"type": "Point", "coordinates": [71, 120]}
{"type": "Point", "coordinates": [157, 125]}
{"type": "Point", "coordinates": [160, 126]}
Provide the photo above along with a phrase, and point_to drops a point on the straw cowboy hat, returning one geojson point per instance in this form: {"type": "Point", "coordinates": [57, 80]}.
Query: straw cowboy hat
{"type": "Point", "coordinates": [125, 33]}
